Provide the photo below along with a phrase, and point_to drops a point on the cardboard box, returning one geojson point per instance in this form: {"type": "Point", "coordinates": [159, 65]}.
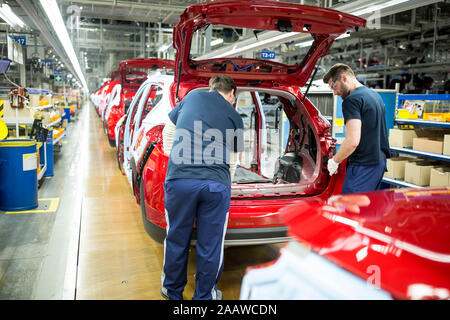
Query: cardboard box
{"type": "Point", "coordinates": [418, 172]}
{"type": "Point", "coordinates": [440, 177]}
{"type": "Point", "coordinates": [401, 138]}
{"type": "Point", "coordinates": [430, 132]}
{"type": "Point", "coordinates": [396, 167]}
{"type": "Point", "coordinates": [446, 150]}
{"type": "Point", "coordinates": [12, 113]}
{"type": "Point", "coordinates": [434, 145]}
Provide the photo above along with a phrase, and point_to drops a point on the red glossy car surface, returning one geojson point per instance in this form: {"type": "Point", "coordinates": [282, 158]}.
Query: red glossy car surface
{"type": "Point", "coordinates": [323, 24]}
{"type": "Point", "coordinates": [405, 233]}
{"type": "Point", "coordinates": [98, 95]}
{"type": "Point", "coordinates": [106, 92]}
{"type": "Point", "coordinates": [129, 86]}
{"type": "Point", "coordinates": [255, 212]}
{"type": "Point", "coordinates": [157, 64]}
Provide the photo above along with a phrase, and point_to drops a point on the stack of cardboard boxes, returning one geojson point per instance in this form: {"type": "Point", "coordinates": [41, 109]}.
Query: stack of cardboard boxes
{"type": "Point", "coordinates": [421, 172]}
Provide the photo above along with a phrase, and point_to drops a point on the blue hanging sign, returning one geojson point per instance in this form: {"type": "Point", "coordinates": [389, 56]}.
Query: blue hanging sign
{"type": "Point", "coordinates": [267, 54]}
{"type": "Point", "coordinates": [22, 40]}
{"type": "Point", "coordinates": [46, 63]}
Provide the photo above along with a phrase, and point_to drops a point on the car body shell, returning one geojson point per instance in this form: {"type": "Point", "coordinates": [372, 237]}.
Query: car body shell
{"type": "Point", "coordinates": [135, 125]}
{"type": "Point", "coordinates": [254, 214]}
{"type": "Point", "coordinates": [132, 73]}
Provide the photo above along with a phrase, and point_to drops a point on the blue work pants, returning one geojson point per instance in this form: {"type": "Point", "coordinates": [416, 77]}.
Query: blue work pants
{"type": "Point", "coordinates": [363, 178]}
{"type": "Point", "coordinates": [207, 203]}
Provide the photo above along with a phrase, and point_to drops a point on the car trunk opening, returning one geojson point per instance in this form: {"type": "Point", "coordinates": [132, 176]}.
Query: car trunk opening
{"type": "Point", "coordinates": [282, 153]}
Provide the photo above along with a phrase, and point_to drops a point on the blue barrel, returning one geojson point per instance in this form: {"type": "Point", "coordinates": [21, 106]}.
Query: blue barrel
{"type": "Point", "coordinates": [67, 114]}
{"type": "Point", "coordinates": [18, 175]}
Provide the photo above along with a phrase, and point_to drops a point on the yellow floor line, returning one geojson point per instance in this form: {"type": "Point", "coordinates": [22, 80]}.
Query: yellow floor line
{"type": "Point", "coordinates": [54, 202]}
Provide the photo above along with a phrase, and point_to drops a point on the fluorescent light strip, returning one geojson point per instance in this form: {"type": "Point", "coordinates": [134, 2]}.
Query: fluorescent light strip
{"type": "Point", "coordinates": [10, 17]}
{"type": "Point", "coordinates": [304, 44]}
{"type": "Point", "coordinates": [54, 15]}
{"type": "Point", "coordinates": [381, 6]}
{"type": "Point", "coordinates": [256, 44]}
{"type": "Point", "coordinates": [359, 13]}
{"type": "Point", "coordinates": [308, 43]}
{"type": "Point", "coordinates": [272, 40]}
{"type": "Point", "coordinates": [163, 47]}
{"type": "Point", "coordinates": [216, 42]}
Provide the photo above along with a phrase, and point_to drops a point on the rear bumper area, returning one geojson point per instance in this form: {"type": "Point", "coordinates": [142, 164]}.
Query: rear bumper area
{"type": "Point", "coordinates": [233, 237]}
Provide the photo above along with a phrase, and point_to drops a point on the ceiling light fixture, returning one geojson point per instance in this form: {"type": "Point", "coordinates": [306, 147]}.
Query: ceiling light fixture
{"type": "Point", "coordinates": [236, 50]}
{"type": "Point", "coordinates": [372, 8]}
{"type": "Point", "coordinates": [10, 17]}
{"type": "Point", "coordinates": [163, 47]}
{"type": "Point", "coordinates": [274, 40]}
{"type": "Point", "coordinates": [54, 15]}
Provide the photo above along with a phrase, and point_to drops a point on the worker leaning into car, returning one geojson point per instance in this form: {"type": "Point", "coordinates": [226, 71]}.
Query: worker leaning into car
{"type": "Point", "coordinates": [366, 145]}
{"type": "Point", "coordinates": [206, 133]}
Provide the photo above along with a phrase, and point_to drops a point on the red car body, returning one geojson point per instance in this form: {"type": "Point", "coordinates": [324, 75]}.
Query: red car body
{"type": "Point", "coordinates": [154, 64]}
{"type": "Point", "coordinates": [106, 92]}
{"type": "Point", "coordinates": [402, 234]}
{"type": "Point", "coordinates": [133, 73]}
{"type": "Point", "coordinates": [97, 96]}
{"type": "Point", "coordinates": [254, 214]}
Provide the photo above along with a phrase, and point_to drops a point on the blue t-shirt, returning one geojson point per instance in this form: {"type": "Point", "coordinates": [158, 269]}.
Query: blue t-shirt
{"type": "Point", "coordinates": [207, 130]}
{"type": "Point", "coordinates": [367, 105]}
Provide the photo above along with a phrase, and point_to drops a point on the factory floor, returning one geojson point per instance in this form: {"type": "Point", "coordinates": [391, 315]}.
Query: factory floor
{"type": "Point", "coordinates": [86, 240]}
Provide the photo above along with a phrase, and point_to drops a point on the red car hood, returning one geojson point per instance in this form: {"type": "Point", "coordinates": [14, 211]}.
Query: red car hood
{"type": "Point", "coordinates": [324, 25]}
{"type": "Point", "coordinates": [141, 63]}
{"type": "Point", "coordinates": [402, 234]}
{"type": "Point", "coordinates": [146, 63]}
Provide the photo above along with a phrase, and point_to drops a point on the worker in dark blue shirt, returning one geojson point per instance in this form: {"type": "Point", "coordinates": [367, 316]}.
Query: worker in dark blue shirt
{"type": "Point", "coordinates": [203, 138]}
{"type": "Point", "coordinates": [366, 145]}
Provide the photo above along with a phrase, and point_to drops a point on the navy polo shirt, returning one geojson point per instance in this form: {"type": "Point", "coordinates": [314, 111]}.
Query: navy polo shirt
{"type": "Point", "coordinates": [208, 128]}
{"type": "Point", "coordinates": [367, 105]}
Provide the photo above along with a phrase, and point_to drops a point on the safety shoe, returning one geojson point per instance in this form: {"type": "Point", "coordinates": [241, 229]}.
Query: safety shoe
{"type": "Point", "coordinates": [164, 295]}
{"type": "Point", "coordinates": [219, 295]}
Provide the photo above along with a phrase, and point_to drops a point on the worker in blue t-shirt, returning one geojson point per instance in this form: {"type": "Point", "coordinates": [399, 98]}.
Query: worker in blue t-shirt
{"type": "Point", "coordinates": [366, 145]}
{"type": "Point", "coordinates": [203, 138]}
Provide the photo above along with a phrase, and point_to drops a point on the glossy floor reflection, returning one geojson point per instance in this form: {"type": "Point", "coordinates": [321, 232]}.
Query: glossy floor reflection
{"type": "Point", "coordinates": [117, 259]}
{"type": "Point", "coordinates": [94, 245]}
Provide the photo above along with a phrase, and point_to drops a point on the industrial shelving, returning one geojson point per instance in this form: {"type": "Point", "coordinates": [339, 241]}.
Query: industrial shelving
{"type": "Point", "coordinates": [418, 122]}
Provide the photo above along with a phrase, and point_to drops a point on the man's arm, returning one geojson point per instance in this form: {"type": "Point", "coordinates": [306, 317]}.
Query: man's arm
{"type": "Point", "coordinates": [168, 134]}
{"type": "Point", "coordinates": [348, 146]}
{"type": "Point", "coordinates": [351, 141]}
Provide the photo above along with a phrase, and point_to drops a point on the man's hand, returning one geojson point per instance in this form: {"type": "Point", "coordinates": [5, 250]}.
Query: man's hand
{"type": "Point", "coordinates": [332, 166]}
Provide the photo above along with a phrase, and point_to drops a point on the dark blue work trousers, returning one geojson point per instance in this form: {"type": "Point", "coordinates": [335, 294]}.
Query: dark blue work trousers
{"type": "Point", "coordinates": [207, 203]}
{"type": "Point", "coordinates": [363, 178]}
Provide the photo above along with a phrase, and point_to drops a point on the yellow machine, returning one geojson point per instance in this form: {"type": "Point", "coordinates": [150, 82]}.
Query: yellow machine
{"type": "Point", "coordinates": [3, 127]}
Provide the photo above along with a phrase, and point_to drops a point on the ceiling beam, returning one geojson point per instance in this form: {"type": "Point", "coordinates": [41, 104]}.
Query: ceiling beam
{"type": "Point", "coordinates": [38, 17]}
{"type": "Point", "coordinates": [273, 38]}
{"type": "Point", "coordinates": [129, 4]}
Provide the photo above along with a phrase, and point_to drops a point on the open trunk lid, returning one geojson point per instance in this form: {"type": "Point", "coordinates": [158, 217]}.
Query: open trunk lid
{"type": "Point", "coordinates": [323, 24]}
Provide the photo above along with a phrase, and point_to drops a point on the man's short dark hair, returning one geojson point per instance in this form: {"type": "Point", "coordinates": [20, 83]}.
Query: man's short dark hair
{"type": "Point", "coordinates": [336, 70]}
{"type": "Point", "coordinates": [222, 83]}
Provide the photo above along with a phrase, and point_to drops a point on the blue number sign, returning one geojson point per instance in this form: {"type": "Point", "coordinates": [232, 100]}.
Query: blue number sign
{"type": "Point", "coordinates": [267, 54]}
